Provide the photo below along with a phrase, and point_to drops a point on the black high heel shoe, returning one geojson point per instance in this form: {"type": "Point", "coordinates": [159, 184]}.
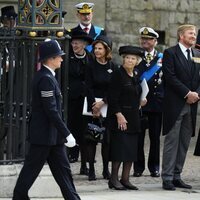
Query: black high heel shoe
{"type": "Point", "coordinates": [106, 175]}
{"type": "Point", "coordinates": [129, 185]}
{"type": "Point", "coordinates": [92, 176]}
{"type": "Point", "coordinates": [84, 171]}
{"type": "Point", "coordinates": [112, 186]}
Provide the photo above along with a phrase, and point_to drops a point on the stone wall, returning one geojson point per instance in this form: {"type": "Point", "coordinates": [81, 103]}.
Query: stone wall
{"type": "Point", "coordinates": [123, 18]}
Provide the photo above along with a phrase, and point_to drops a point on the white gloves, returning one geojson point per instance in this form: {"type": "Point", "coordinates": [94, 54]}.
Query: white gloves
{"type": "Point", "coordinates": [71, 142]}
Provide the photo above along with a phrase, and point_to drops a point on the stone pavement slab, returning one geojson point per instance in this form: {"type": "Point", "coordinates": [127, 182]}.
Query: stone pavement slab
{"type": "Point", "coordinates": [143, 194]}
{"type": "Point", "coordinates": [150, 188]}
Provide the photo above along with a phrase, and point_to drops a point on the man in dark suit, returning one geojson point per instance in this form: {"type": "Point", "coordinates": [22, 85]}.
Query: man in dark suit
{"type": "Point", "coordinates": [150, 68]}
{"type": "Point", "coordinates": [85, 15]}
{"type": "Point", "coordinates": [181, 71]}
{"type": "Point", "coordinates": [48, 132]}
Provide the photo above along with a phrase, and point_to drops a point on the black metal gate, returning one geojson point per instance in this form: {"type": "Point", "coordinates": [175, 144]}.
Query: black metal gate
{"type": "Point", "coordinates": [18, 62]}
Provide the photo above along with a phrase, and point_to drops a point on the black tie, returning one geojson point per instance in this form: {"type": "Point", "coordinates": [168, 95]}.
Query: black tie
{"type": "Point", "coordinates": [188, 55]}
{"type": "Point", "coordinates": [190, 63]}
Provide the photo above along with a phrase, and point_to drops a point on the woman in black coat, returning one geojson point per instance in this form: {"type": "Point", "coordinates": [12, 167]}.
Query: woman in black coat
{"type": "Point", "coordinates": [123, 117]}
{"type": "Point", "coordinates": [79, 59]}
{"type": "Point", "coordinates": [97, 80]}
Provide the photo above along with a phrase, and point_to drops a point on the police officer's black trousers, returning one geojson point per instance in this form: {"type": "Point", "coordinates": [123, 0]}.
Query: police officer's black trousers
{"type": "Point", "coordinates": [59, 165]}
{"type": "Point", "coordinates": [154, 123]}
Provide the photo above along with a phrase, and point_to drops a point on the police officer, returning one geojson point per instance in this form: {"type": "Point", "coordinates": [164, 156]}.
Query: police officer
{"type": "Point", "coordinates": [150, 68]}
{"type": "Point", "coordinates": [8, 16]}
{"type": "Point", "coordinates": [85, 15]}
{"type": "Point", "coordinates": [48, 132]}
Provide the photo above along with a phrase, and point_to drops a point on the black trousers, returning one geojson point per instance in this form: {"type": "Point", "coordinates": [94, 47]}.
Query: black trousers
{"type": "Point", "coordinates": [58, 162]}
{"type": "Point", "coordinates": [155, 123]}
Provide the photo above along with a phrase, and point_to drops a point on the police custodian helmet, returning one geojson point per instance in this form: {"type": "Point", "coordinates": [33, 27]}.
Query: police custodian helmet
{"type": "Point", "coordinates": [8, 12]}
{"type": "Point", "coordinates": [49, 49]}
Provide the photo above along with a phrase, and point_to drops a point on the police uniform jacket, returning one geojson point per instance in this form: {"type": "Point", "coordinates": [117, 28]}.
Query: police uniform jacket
{"type": "Point", "coordinates": [155, 84]}
{"type": "Point", "coordinates": [46, 124]}
{"type": "Point", "coordinates": [179, 79]}
{"type": "Point", "coordinates": [124, 96]}
{"type": "Point", "coordinates": [77, 73]}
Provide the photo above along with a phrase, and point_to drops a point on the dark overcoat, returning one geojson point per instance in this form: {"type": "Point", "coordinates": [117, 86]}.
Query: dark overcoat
{"type": "Point", "coordinates": [179, 79]}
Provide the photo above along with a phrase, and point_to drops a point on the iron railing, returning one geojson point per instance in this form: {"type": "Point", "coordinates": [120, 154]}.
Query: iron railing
{"type": "Point", "coordinates": [18, 63]}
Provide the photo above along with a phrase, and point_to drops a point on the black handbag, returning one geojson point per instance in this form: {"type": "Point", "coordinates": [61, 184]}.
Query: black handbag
{"type": "Point", "coordinates": [94, 133]}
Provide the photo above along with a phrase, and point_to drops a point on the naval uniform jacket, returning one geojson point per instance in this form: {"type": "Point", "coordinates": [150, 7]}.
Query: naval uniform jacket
{"type": "Point", "coordinates": [155, 84]}
{"type": "Point", "coordinates": [124, 96]}
{"type": "Point", "coordinates": [46, 124]}
{"type": "Point", "coordinates": [91, 33]}
{"type": "Point", "coordinates": [179, 79]}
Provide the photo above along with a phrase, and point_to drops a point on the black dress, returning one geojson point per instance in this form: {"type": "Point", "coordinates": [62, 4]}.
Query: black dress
{"type": "Point", "coordinates": [98, 79]}
{"type": "Point", "coordinates": [124, 96]}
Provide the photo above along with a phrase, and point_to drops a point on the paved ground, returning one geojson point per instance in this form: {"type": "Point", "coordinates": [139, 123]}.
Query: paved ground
{"type": "Point", "coordinates": [149, 188]}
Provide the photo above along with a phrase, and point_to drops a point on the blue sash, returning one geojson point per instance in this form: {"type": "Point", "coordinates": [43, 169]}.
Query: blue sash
{"type": "Point", "coordinates": [149, 73]}
{"type": "Point", "coordinates": [97, 30]}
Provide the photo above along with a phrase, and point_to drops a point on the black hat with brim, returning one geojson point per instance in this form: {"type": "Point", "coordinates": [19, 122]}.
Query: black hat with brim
{"type": "Point", "coordinates": [8, 12]}
{"type": "Point", "coordinates": [133, 50]}
{"type": "Point", "coordinates": [106, 40]}
{"type": "Point", "coordinates": [49, 49]}
{"type": "Point", "coordinates": [81, 35]}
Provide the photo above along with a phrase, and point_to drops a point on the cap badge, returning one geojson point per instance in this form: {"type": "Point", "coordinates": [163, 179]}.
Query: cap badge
{"type": "Point", "coordinates": [85, 6]}
{"type": "Point", "coordinates": [145, 31]}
